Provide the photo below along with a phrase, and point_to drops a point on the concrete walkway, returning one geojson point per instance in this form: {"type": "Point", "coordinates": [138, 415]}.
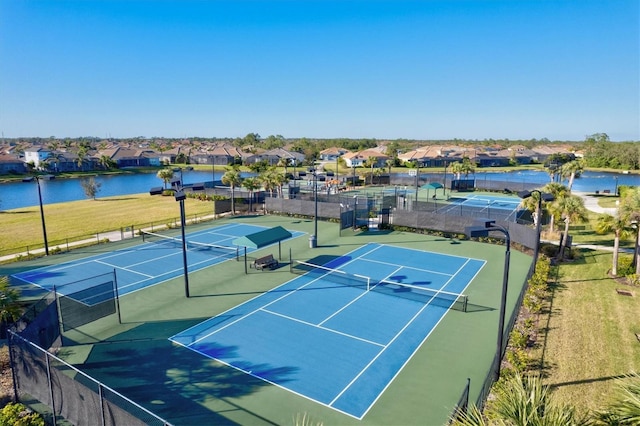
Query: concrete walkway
{"type": "Point", "coordinates": [110, 236]}
{"type": "Point", "coordinates": [591, 203]}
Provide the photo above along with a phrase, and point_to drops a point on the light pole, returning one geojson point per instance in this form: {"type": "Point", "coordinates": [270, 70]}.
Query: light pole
{"type": "Point", "coordinates": [444, 183]}
{"type": "Point", "coordinates": [180, 196]}
{"type": "Point", "coordinates": [636, 260]}
{"type": "Point", "coordinates": [417, 182]}
{"type": "Point", "coordinates": [482, 230]}
{"type": "Point", "coordinates": [213, 171]}
{"type": "Point", "coordinates": [355, 211]}
{"type": "Point", "coordinates": [313, 241]}
{"type": "Point", "coordinates": [44, 227]}
{"type": "Point", "coordinates": [542, 196]}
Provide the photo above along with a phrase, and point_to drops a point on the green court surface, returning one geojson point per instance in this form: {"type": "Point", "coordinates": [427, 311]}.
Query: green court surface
{"type": "Point", "coordinates": [137, 359]}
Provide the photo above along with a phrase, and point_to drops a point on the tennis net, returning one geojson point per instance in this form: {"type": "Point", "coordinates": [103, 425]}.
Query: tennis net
{"type": "Point", "coordinates": [440, 298]}
{"type": "Point", "coordinates": [329, 274]}
{"type": "Point", "coordinates": [219, 250]}
{"type": "Point", "coordinates": [411, 292]}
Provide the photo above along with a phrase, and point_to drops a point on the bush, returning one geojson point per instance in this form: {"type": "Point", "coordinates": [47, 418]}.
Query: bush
{"type": "Point", "coordinates": [19, 415]}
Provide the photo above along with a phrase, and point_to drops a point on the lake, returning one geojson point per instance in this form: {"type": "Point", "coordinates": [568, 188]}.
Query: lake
{"type": "Point", "coordinates": [16, 195]}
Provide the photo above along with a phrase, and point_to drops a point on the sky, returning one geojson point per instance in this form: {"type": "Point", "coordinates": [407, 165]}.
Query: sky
{"type": "Point", "coordinates": [477, 69]}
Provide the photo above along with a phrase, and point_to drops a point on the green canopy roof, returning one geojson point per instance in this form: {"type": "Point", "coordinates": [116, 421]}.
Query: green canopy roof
{"type": "Point", "coordinates": [432, 185]}
{"type": "Point", "coordinates": [263, 238]}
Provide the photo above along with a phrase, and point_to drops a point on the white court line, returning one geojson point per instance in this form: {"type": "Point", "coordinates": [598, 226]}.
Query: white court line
{"type": "Point", "coordinates": [319, 326]}
{"type": "Point", "coordinates": [123, 269]}
{"type": "Point", "coordinates": [394, 339]}
{"type": "Point", "coordinates": [263, 306]}
{"type": "Point", "coordinates": [407, 267]}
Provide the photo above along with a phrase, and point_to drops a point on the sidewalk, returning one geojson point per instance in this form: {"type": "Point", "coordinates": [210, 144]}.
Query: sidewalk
{"type": "Point", "coordinates": [591, 203]}
{"type": "Point", "coordinates": [111, 236]}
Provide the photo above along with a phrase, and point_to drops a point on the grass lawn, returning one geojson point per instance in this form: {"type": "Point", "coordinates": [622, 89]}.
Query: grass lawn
{"type": "Point", "coordinates": [86, 217]}
{"type": "Point", "coordinates": [590, 332]}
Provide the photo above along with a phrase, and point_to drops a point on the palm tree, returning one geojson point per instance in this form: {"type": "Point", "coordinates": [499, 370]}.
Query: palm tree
{"type": "Point", "coordinates": [465, 166]}
{"type": "Point", "coordinates": [251, 184]}
{"type": "Point", "coordinates": [283, 162]}
{"type": "Point", "coordinates": [571, 170]}
{"type": "Point", "coordinates": [572, 210]}
{"type": "Point", "coordinates": [521, 402]}
{"type": "Point", "coordinates": [82, 157]}
{"type": "Point", "coordinates": [630, 210]}
{"type": "Point", "coordinates": [558, 191]}
{"type": "Point", "coordinates": [606, 224]}
{"type": "Point", "coordinates": [166, 175]}
{"type": "Point", "coordinates": [624, 409]}
{"type": "Point", "coordinates": [9, 306]}
{"type": "Point", "coordinates": [457, 169]}
{"type": "Point", "coordinates": [531, 204]}
{"type": "Point", "coordinates": [106, 162]}
{"type": "Point", "coordinates": [233, 179]}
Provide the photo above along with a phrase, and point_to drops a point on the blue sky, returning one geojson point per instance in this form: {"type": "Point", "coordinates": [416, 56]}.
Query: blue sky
{"type": "Point", "coordinates": [556, 69]}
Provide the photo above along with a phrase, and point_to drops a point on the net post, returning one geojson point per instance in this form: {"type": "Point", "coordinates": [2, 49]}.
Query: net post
{"type": "Point", "coordinates": [115, 289]}
{"type": "Point", "coordinates": [246, 271]}
{"type": "Point", "coordinates": [60, 319]}
{"type": "Point", "coordinates": [368, 283]}
{"type": "Point", "coordinates": [465, 303]}
{"type": "Point", "coordinates": [238, 253]}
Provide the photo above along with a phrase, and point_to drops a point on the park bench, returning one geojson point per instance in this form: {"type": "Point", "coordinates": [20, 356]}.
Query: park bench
{"type": "Point", "coordinates": [265, 262]}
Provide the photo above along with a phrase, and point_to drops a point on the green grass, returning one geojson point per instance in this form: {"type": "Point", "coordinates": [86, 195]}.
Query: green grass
{"type": "Point", "coordinates": [23, 227]}
{"type": "Point", "coordinates": [589, 337]}
{"type": "Point", "coordinates": [590, 332]}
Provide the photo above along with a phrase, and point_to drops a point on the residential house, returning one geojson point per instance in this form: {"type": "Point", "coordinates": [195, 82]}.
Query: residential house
{"type": "Point", "coordinates": [332, 154]}
{"type": "Point", "coordinates": [11, 164]}
{"type": "Point", "coordinates": [358, 159]}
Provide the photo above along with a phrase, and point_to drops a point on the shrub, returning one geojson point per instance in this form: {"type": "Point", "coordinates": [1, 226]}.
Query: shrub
{"type": "Point", "coordinates": [19, 414]}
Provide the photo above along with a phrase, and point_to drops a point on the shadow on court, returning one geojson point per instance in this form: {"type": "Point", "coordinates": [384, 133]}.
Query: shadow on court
{"type": "Point", "coordinates": [176, 383]}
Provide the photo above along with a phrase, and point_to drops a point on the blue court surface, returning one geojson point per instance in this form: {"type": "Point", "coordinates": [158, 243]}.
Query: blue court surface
{"type": "Point", "coordinates": [143, 265]}
{"type": "Point", "coordinates": [338, 345]}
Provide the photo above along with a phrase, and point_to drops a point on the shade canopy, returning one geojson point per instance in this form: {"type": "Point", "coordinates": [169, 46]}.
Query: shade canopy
{"type": "Point", "coordinates": [263, 238]}
{"type": "Point", "coordinates": [432, 185]}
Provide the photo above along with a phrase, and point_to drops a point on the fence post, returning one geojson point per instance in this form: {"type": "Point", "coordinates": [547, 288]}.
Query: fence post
{"type": "Point", "coordinates": [50, 382]}
{"type": "Point", "coordinates": [101, 397]}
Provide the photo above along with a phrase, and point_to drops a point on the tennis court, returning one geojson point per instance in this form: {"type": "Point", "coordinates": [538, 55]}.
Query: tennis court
{"type": "Point", "coordinates": [343, 330]}
{"type": "Point", "coordinates": [484, 204]}
{"type": "Point", "coordinates": [157, 260]}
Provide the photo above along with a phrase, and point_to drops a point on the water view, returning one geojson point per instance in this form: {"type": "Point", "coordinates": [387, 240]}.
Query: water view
{"type": "Point", "coordinates": [19, 194]}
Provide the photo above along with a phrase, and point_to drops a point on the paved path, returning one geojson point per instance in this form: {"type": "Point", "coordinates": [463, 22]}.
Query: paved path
{"type": "Point", "coordinates": [111, 236]}
{"type": "Point", "coordinates": [591, 203]}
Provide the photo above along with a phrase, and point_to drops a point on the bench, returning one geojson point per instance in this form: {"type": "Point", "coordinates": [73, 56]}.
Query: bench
{"type": "Point", "coordinates": [265, 262]}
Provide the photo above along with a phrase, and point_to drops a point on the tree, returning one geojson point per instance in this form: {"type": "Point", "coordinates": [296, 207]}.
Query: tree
{"type": "Point", "coordinates": [572, 210]}
{"type": "Point", "coordinates": [605, 224]}
{"type": "Point", "coordinates": [82, 157]}
{"type": "Point", "coordinates": [233, 179]}
{"type": "Point", "coordinates": [371, 162]}
{"type": "Point", "coordinates": [90, 187]}
{"type": "Point", "coordinates": [182, 158]}
{"type": "Point", "coordinates": [106, 162]}
{"type": "Point", "coordinates": [251, 184]}
{"type": "Point", "coordinates": [9, 307]}
{"type": "Point", "coordinates": [271, 180]}
{"type": "Point", "coordinates": [465, 166]}
{"type": "Point", "coordinates": [166, 175]}
{"type": "Point", "coordinates": [558, 191]}
{"type": "Point", "coordinates": [630, 210]}
{"type": "Point", "coordinates": [571, 170]}
{"type": "Point", "coordinates": [522, 401]}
